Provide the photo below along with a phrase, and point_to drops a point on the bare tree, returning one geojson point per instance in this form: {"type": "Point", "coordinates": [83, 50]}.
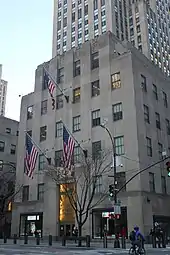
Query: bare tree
{"type": "Point", "coordinates": [81, 184]}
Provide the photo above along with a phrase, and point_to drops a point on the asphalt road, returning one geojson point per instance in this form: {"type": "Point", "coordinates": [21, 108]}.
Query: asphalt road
{"type": "Point", "coordinates": [19, 250]}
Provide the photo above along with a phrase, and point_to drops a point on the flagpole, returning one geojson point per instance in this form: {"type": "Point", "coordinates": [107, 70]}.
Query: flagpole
{"type": "Point", "coordinates": [66, 97]}
{"type": "Point", "coordinates": [48, 159]}
{"type": "Point", "coordinates": [84, 151]}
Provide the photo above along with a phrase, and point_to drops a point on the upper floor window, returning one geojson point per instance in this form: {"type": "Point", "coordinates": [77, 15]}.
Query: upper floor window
{"type": "Point", "coordinates": [95, 88]}
{"type": "Point", "coordinates": [149, 146]}
{"type": "Point", "coordinates": [102, 2]}
{"type": "Point", "coordinates": [146, 113]}
{"type": "Point", "coordinates": [42, 162]}
{"type": "Point", "coordinates": [95, 118]}
{"type": "Point", "coordinates": [58, 158]}
{"type": "Point", "coordinates": [59, 129]}
{"type": "Point", "coordinates": [165, 99]}
{"type": "Point", "coordinates": [2, 146]}
{"type": "Point", "coordinates": [61, 75]}
{"type": "Point", "coordinates": [86, 9]}
{"type": "Point", "coordinates": [119, 145]}
{"type": "Point", "coordinates": [43, 133]}
{"type": "Point", "coordinates": [59, 102]}
{"type": "Point", "coordinates": [44, 107]}
{"type": "Point", "coordinates": [167, 126]}
{"type": "Point", "coordinates": [95, 60]}
{"type": "Point", "coordinates": [40, 192]}
{"type": "Point", "coordinates": [155, 91]}
{"type": "Point", "coordinates": [29, 133]}
{"type": "Point", "coordinates": [115, 80]}
{"type": "Point", "coordinates": [117, 112]}
{"type": "Point", "coordinates": [76, 68]}
{"type": "Point", "coordinates": [152, 182]}
{"type": "Point", "coordinates": [158, 121]}
{"type": "Point", "coordinates": [143, 83]}
{"type": "Point", "coordinates": [163, 182]}
{"type": "Point", "coordinates": [76, 123]}
{"type": "Point", "coordinates": [13, 149]}
{"type": "Point", "coordinates": [29, 112]}
{"type": "Point", "coordinates": [96, 150]}
{"type": "Point", "coordinates": [98, 182]}
{"type": "Point", "coordinates": [8, 130]}
{"type": "Point", "coordinates": [95, 4]}
{"type": "Point", "coordinates": [76, 95]}
{"type": "Point", "coordinates": [25, 193]}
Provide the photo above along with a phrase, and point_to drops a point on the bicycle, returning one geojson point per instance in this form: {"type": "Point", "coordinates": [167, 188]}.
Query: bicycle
{"type": "Point", "coordinates": [136, 251]}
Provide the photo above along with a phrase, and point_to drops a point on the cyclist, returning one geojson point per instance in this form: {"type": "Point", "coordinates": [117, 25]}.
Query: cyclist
{"type": "Point", "coordinates": [139, 238]}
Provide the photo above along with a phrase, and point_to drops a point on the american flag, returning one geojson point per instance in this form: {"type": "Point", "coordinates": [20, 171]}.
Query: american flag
{"type": "Point", "coordinates": [68, 148]}
{"type": "Point", "coordinates": [30, 157]}
{"type": "Point", "coordinates": [48, 83]}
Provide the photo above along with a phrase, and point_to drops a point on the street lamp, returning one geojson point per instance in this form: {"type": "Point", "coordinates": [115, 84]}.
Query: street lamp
{"type": "Point", "coordinates": [116, 244]}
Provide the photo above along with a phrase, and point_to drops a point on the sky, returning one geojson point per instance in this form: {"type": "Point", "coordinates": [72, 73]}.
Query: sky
{"type": "Point", "coordinates": [25, 42]}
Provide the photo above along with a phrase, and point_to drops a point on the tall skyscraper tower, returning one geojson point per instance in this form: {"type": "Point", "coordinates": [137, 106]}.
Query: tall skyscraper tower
{"type": "Point", "coordinates": [77, 21]}
{"type": "Point", "coordinates": [145, 23]}
{"type": "Point", "coordinates": [3, 93]}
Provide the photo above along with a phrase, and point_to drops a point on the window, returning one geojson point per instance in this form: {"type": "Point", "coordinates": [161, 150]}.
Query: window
{"type": "Point", "coordinates": [96, 150]}
{"type": "Point", "coordinates": [117, 112]}
{"type": "Point", "coordinates": [42, 162]}
{"type": "Point", "coordinates": [77, 154]}
{"type": "Point", "coordinates": [58, 158]}
{"type": "Point", "coordinates": [167, 126]}
{"type": "Point", "coordinates": [163, 182]}
{"type": "Point", "coordinates": [115, 80]}
{"type": "Point", "coordinates": [40, 192]}
{"type": "Point", "coordinates": [76, 123]}
{"type": "Point", "coordinates": [2, 146]}
{"type": "Point", "coordinates": [95, 118]}
{"type": "Point", "coordinates": [73, 16]}
{"type": "Point", "coordinates": [59, 102]}
{"type": "Point", "coordinates": [29, 112]}
{"type": "Point", "coordinates": [79, 13]}
{"type": "Point", "coordinates": [119, 145]}
{"type": "Point", "coordinates": [59, 25]}
{"type": "Point", "coordinates": [98, 182]}
{"type": "Point", "coordinates": [8, 130]}
{"type": "Point", "coordinates": [76, 95]}
{"type": "Point", "coordinates": [158, 121]}
{"type": "Point", "coordinates": [143, 83]}
{"type": "Point", "coordinates": [59, 129]}
{"type": "Point", "coordinates": [146, 113]}
{"type": "Point", "coordinates": [13, 149]}
{"type": "Point", "coordinates": [65, 22]}
{"type": "Point", "coordinates": [149, 146]}
{"type": "Point", "coordinates": [152, 182]}
{"type": "Point", "coordinates": [95, 60]}
{"type": "Point", "coordinates": [44, 107]}
{"type": "Point", "coordinates": [29, 133]}
{"type": "Point", "coordinates": [160, 150]}
{"type": "Point", "coordinates": [25, 193]}
{"type": "Point", "coordinates": [165, 99]}
{"type": "Point", "coordinates": [121, 180]}
{"type": "Point", "coordinates": [102, 2]}
{"type": "Point", "coordinates": [43, 133]}
{"type": "Point", "coordinates": [86, 9]}
{"type": "Point", "coordinates": [155, 91]}
{"type": "Point", "coordinates": [95, 4]}
{"type": "Point", "coordinates": [95, 88]}
{"type": "Point", "coordinates": [61, 75]}
{"type": "Point", "coordinates": [1, 165]}
{"type": "Point", "coordinates": [76, 68]}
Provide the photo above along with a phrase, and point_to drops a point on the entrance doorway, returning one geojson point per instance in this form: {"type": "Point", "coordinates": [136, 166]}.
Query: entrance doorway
{"type": "Point", "coordinates": [66, 229]}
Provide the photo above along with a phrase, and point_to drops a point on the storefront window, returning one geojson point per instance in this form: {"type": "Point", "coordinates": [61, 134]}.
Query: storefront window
{"type": "Point", "coordinates": [30, 223]}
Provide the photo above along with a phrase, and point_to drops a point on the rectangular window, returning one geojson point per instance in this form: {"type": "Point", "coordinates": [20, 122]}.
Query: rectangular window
{"type": "Point", "coordinates": [59, 101]}
{"type": "Point", "coordinates": [96, 150]}
{"type": "Point", "coordinates": [76, 95]}
{"type": "Point", "coordinates": [76, 68]}
{"type": "Point", "coordinates": [94, 60]}
{"type": "Point", "coordinates": [73, 16]}
{"type": "Point", "coordinates": [149, 146]}
{"type": "Point", "coordinates": [86, 9]}
{"type": "Point", "coordinates": [13, 149]}
{"type": "Point", "coordinates": [98, 182]}
{"type": "Point", "coordinates": [77, 155]}
{"type": "Point", "coordinates": [30, 112]}
{"type": "Point", "coordinates": [44, 107]}
{"type": "Point", "coordinates": [115, 81]}
{"type": "Point", "coordinates": [167, 126]}
{"type": "Point", "coordinates": [160, 150]}
{"type": "Point", "coordinates": [79, 13]}
{"type": "Point", "coordinates": [2, 146]}
{"type": "Point", "coordinates": [29, 133]}
{"type": "Point", "coordinates": [59, 129]}
{"type": "Point", "coordinates": [1, 165]}
{"type": "Point", "coordinates": [76, 123]}
{"type": "Point", "coordinates": [8, 130]}
{"type": "Point", "coordinates": [146, 113]}
{"type": "Point", "coordinates": [42, 162]}
{"type": "Point", "coordinates": [25, 193]}
{"type": "Point", "coordinates": [95, 88]}
{"type": "Point", "coordinates": [43, 133]}
{"type": "Point", "coordinates": [65, 22]}
{"type": "Point", "coordinates": [163, 182]}
{"type": "Point", "coordinates": [95, 4]}
{"type": "Point", "coordinates": [61, 75]}
{"type": "Point", "coordinates": [95, 118]}
{"type": "Point", "coordinates": [58, 158]}
{"type": "Point", "coordinates": [117, 112]}
{"type": "Point", "coordinates": [165, 99]}
{"type": "Point", "coordinates": [158, 121]}
{"type": "Point", "coordinates": [121, 180]}
{"type": "Point", "coordinates": [40, 192]}
{"type": "Point", "coordinates": [143, 83]}
{"type": "Point", "coordinates": [152, 182]}
{"type": "Point", "coordinates": [119, 145]}
{"type": "Point", "coordinates": [155, 91]}
{"type": "Point", "coordinates": [102, 2]}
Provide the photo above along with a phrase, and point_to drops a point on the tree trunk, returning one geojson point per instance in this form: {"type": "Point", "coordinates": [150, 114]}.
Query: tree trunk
{"type": "Point", "coordinates": [79, 233]}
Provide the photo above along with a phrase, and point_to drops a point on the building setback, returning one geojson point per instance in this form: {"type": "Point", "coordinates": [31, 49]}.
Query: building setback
{"type": "Point", "coordinates": [104, 79]}
{"type": "Point", "coordinates": [3, 93]}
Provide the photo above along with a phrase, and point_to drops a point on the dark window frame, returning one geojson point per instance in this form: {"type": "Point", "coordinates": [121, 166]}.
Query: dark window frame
{"type": "Point", "coordinates": [43, 133]}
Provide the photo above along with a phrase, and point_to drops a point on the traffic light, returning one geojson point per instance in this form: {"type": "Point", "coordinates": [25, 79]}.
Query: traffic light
{"type": "Point", "coordinates": [111, 190]}
{"type": "Point", "coordinates": [168, 167]}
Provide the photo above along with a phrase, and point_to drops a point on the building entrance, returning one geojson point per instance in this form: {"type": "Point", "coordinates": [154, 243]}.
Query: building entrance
{"type": "Point", "coordinates": [66, 229]}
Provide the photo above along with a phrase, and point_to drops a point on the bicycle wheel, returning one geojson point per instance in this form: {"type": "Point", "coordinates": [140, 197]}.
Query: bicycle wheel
{"type": "Point", "coordinates": [131, 251]}
{"type": "Point", "coordinates": [142, 252]}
